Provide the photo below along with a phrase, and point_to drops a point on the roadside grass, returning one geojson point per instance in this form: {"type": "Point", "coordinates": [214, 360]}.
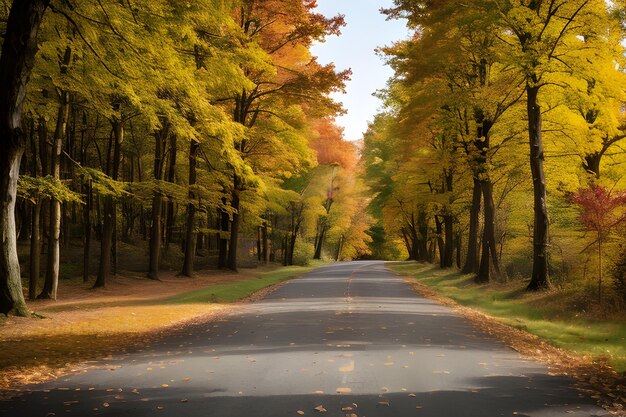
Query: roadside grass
{"type": "Point", "coordinates": [227, 293]}
{"type": "Point", "coordinates": [543, 314]}
{"type": "Point", "coordinates": [35, 350]}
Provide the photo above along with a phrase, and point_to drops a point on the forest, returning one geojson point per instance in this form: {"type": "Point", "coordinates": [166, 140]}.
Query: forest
{"type": "Point", "coordinates": [196, 134]}
{"type": "Point", "coordinates": [151, 135]}
{"type": "Point", "coordinates": [500, 150]}
{"type": "Point", "coordinates": [184, 225]}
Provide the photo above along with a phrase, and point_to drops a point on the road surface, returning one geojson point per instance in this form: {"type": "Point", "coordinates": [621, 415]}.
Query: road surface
{"type": "Point", "coordinates": [352, 339]}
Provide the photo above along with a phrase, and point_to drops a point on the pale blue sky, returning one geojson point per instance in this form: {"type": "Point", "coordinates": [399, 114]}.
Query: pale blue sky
{"type": "Point", "coordinates": [366, 30]}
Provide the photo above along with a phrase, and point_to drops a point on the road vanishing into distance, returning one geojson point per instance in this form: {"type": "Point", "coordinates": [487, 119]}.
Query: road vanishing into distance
{"type": "Point", "coordinates": [350, 339]}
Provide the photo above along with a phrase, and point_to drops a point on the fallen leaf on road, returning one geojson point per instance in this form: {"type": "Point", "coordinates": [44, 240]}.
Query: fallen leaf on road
{"type": "Point", "coordinates": [343, 390]}
{"type": "Point", "coordinates": [385, 403]}
{"type": "Point", "coordinates": [320, 409]}
{"type": "Point", "coordinates": [185, 379]}
{"type": "Point", "coordinates": [388, 363]}
{"type": "Point", "coordinates": [184, 400]}
{"type": "Point", "coordinates": [300, 412]}
{"type": "Point", "coordinates": [412, 395]}
{"type": "Point", "coordinates": [347, 408]}
{"type": "Point", "coordinates": [318, 392]}
{"type": "Point", "coordinates": [164, 385]}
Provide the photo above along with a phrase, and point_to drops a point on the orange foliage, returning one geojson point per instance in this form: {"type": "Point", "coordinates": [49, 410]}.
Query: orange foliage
{"type": "Point", "coordinates": [331, 148]}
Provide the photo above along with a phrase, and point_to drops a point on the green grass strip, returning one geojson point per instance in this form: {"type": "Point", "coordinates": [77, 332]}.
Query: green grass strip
{"type": "Point", "coordinates": [227, 293]}
{"type": "Point", "coordinates": [545, 315]}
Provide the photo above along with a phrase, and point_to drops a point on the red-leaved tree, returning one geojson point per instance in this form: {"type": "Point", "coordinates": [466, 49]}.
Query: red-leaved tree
{"type": "Point", "coordinates": [601, 211]}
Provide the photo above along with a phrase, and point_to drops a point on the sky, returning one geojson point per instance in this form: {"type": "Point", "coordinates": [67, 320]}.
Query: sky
{"type": "Point", "coordinates": [366, 30]}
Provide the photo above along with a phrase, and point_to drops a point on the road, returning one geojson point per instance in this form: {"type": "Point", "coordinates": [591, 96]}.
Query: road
{"type": "Point", "coordinates": [352, 338]}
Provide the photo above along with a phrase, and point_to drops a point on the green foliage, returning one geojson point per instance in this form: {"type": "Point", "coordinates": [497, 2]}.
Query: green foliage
{"type": "Point", "coordinates": [34, 189]}
{"type": "Point", "coordinates": [303, 252]}
{"type": "Point", "coordinates": [102, 184]}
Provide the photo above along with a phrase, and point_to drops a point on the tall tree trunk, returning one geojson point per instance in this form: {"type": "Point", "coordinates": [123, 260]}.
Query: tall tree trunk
{"type": "Point", "coordinates": [110, 212]}
{"type": "Point", "coordinates": [16, 62]}
{"type": "Point", "coordinates": [224, 222]}
{"type": "Point", "coordinates": [489, 257]}
{"type": "Point", "coordinates": [448, 221]}
{"type": "Point", "coordinates": [259, 238]}
{"type": "Point", "coordinates": [539, 279]}
{"type": "Point", "coordinates": [440, 242]}
{"type": "Point", "coordinates": [87, 229]}
{"type": "Point", "coordinates": [35, 251]}
{"type": "Point", "coordinates": [155, 237]}
{"type": "Point", "coordinates": [422, 235]}
{"type": "Point", "coordinates": [234, 226]}
{"type": "Point", "coordinates": [320, 242]}
{"type": "Point", "coordinates": [459, 246]}
{"type": "Point", "coordinates": [339, 249]}
{"type": "Point", "coordinates": [35, 238]}
{"type": "Point", "coordinates": [157, 204]}
{"type": "Point", "coordinates": [53, 260]}
{"type": "Point", "coordinates": [408, 245]}
{"type": "Point", "coordinates": [471, 261]}
{"type": "Point", "coordinates": [190, 233]}
{"type": "Point", "coordinates": [265, 253]}
{"type": "Point", "coordinates": [171, 177]}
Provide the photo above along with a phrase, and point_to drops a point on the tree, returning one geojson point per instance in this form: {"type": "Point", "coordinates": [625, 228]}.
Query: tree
{"type": "Point", "coordinates": [16, 63]}
{"type": "Point", "coordinates": [601, 212]}
{"type": "Point", "coordinates": [544, 38]}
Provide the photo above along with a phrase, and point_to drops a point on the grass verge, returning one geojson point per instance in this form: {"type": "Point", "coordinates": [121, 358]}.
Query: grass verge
{"type": "Point", "coordinates": [542, 314]}
{"type": "Point", "coordinates": [539, 326]}
{"type": "Point", "coordinates": [227, 293]}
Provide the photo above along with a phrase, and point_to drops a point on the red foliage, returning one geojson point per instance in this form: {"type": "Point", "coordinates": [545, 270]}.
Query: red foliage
{"type": "Point", "coordinates": [600, 208]}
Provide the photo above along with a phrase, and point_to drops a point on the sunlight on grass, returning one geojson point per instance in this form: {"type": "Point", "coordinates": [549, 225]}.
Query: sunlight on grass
{"type": "Point", "coordinates": [541, 314]}
{"type": "Point", "coordinates": [225, 293]}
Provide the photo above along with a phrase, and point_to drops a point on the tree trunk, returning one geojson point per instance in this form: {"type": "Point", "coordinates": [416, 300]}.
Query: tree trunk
{"type": "Point", "coordinates": [190, 233]}
{"type": "Point", "coordinates": [110, 212]}
{"type": "Point", "coordinates": [259, 238]}
{"type": "Point", "coordinates": [448, 221]}
{"type": "Point", "coordinates": [265, 244]}
{"type": "Point", "coordinates": [157, 204]}
{"type": "Point", "coordinates": [35, 252]}
{"type": "Point", "coordinates": [440, 242]}
{"type": "Point", "coordinates": [155, 237]}
{"type": "Point", "coordinates": [222, 260]}
{"type": "Point", "coordinates": [35, 237]}
{"type": "Point", "coordinates": [539, 279]}
{"type": "Point", "coordinates": [422, 237]}
{"type": "Point", "coordinates": [471, 261]}
{"type": "Point", "coordinates": [458, 249]}
{"type": "Point", "coordinates": [87, 229]}
{"type": "Point", "coordinates": [489, 257]}
{"type": "Point", "coordinates": [53, 259]}
{"type": "Point", "coordinates": [320, 242]}
{"type": "Point", "coordinates": [171, 177]}
{"type": "Point", "coordinates": [339, 249]}
{"type": "Point", "coordinates": [16, 62]}
{"type": "Point", "coordinates": [234, 227]}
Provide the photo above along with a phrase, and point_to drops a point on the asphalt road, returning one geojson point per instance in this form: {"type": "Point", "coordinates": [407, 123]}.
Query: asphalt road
{"type": "Point", "coordinates": [352, 338]}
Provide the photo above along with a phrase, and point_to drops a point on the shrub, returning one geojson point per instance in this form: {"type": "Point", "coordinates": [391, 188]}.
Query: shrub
{"type": "Point", "coordinates": [303, 252]}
